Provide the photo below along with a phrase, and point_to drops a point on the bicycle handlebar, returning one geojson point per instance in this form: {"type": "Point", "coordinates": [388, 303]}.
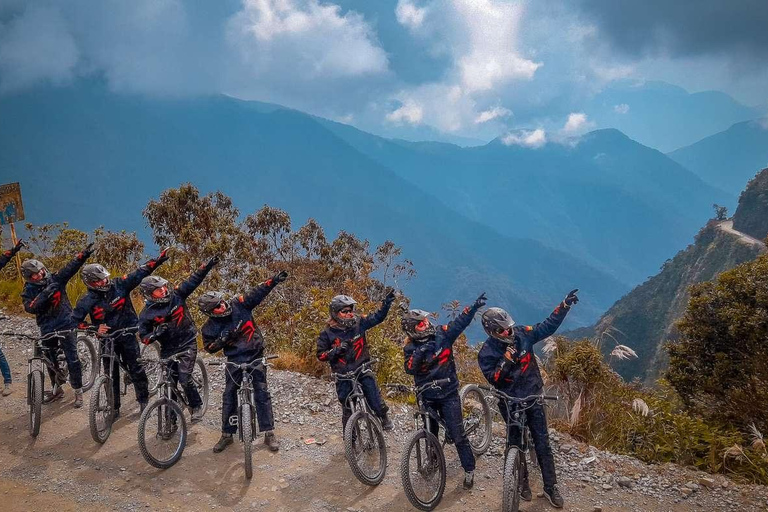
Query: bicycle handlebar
{"type": "Point", "coordinates": [173, 358]}
{"type": "Point", "coordinates": [514, 399]}
{"type": "Point", "coordinates": [45, 337]}
{"type": "Point", "coordinates": [260, 360]}
{"type": "Point", "coordinates": [351, 375]}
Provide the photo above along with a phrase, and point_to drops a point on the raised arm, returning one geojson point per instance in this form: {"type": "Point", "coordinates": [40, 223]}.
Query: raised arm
{"type": "Point", "coordinates": [547, 328]}
{"type": "Point", "coordinates": [254, 297]}
{"type": "Point", "coordinates": [186, 288]}
{"type": "Point", "coordinates": [82, 309]}
{"type": "Point", "coordinates": [461, 322]}
{"type": "Point", "coordinates": [8, 255]}
{"type": "Point", "coordinates": [70, 269]}
{"type": "Point", "coordinates": [375, 318]}
{"type": "Point", "coordinates": [38, 303]}
{"type": "Point", "coordinates": [495, 368]}
{"type": "Point", "coordinates": [133, 279]}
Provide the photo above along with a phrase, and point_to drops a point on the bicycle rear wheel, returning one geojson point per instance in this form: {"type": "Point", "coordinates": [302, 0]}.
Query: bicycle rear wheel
{"type": "Point", "coordinates": [246, 429]}
{"type": "Point", "coordinates": [365, 449]}
{"type": "Point", "coordinates": [200, 379]}
{"type": "Point", "coordinates": [511, 491]}
{"type": "Point", "coordinates": [150, 354]}
{"type": "Point", "coordinates": [478, 418]}
{"type": "Point", "coordinates": [89, 361]}
{"type": "Point", "coordinates": [35, 401]}
{"type": "Point", "coordinates": [422, 470]}
{"type": "Point", "coordinates": [162, 433]}
{"type": "Point", "coordinates": [534, 461]}
{"type": "Point", "coordinates": [101, 410]}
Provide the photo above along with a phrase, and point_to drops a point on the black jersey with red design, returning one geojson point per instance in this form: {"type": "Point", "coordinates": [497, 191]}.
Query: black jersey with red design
{"type": "Point", "coordinates": [113, 307]}
{"type": "Point", "coordinates": [432, 359]}
{"type": "Point", "coordinates": [237, 334]}
{"type": "Point", "coordinates": [48, 300]}
{"type": "Point", "coordinates": [182, 332]}
{"type": "Point", "coordinates": [519, 378]}
{"type": "Point", "coordinates": [346, 349]}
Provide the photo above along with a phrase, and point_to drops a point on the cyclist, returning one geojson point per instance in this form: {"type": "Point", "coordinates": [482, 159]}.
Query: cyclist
{"type": "Point", "coordinates": [108, 302]}
{"type": "Point", "coordinates": [507, 362]}
{"type": "Point", "coordinates": [45, 296]}
{"type": "Point", "coordinates": [230, 327]}
{"type": "Point", "coordinates": [428, 357]}
{"type": "Point", "coordinates": [5, 257]}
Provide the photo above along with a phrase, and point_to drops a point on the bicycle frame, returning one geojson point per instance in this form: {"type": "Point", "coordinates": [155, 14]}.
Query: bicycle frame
{"type": "Point", "coordinates": [356, 399]}
{"type": "Point", "coordinates": [40, 353]}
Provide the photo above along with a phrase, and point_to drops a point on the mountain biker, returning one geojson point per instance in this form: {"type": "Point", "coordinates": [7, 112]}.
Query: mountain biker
{"type": "Point", "coordinates": [429, 357]}
{"type": "Point", "coordinates": [344, 346]}
{"type": "Point", "coordinates": [5, 257]}
{"type": "Point", "coordinates": [230, 327]}
{"type": "Point", "coordinates": [166, 320]}
{"type": "Point", "coordinates": [108, 302]}
{"type": "Point", "coordinates": [508, 363]}
{"type": "Point", "coordinates": [45, 296]}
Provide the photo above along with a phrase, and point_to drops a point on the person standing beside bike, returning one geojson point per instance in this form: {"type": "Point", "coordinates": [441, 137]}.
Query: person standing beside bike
{"type": "Point", "coordinates": [45, 296]}
{"type": "Point", "coordinates": [343, 345]}
{"type": "Point", "coordinates": [108, 302]}
{"type": "Point", "coordinates": [5, 257]}
{"type": "Point", "coordinates": [166, 320]}
{"type": "Point", "coordinates": [230, 327]}
{"type": "Point", "coordinates": [429, 357]}
{"type": "Point", "coordinates": [508, 363]}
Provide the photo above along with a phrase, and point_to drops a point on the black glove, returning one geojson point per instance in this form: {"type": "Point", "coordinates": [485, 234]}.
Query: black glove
{"type": "Point", "coordinates": [163, 257]}
{"type": "Point", "coordinates": [279, 277]}
{"type": "Point", "coordinates": [86, 253]}
{"type": "Point", "coordinates": [571, 298]}
{"type": "Point", "coordinates": [343, 348]}
{"type": "Point", "coordinates": [212, 262]}
{"type": "Point", "coordinates": [17, 247]}
{"type": "Point", "coordinates": [480, 301]}
{"type": "Point", "coordinates": [511, 353]}
{"type": "Point", "coordinates": [50, 288]}
{"type": "Point", "coordinates": [390, 295]}
{"type": "Point", "coordinates": [159, 332]}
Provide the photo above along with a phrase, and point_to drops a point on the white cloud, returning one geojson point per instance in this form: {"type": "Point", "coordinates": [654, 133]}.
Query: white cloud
{"type": "Point", "coordinates": [491, 114]}
{"type": "Point", "coordinates": [409, 15]}
{"type": "Point", "coordinates": [622, 108]}
{"type": "Point", "coordinates": [409, 112]}
{"type": "Point", "coordinates": [531, 139]}
{"type": "Point", "coordinates": [577, 123]}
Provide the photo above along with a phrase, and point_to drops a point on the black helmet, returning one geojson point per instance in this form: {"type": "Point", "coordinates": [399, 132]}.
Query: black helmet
{"type": "Point", "coordinates": [210, 301]}
{"type": "Point", "coordinates": [32, 267]}
{"type": "Point", "coordinates": [338, 303]}
{"type": "Point", "coordinates": [93, 273]}
{"type": "Point", "coordinates": [413, 318]}
{"type": "Point", "coordinates": [495, 321]}
{"type": "Point", "coordinates": [152, 283]}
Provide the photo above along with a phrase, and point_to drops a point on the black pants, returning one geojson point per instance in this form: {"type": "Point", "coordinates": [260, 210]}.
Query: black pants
{"type": "Point", "coordinates": [371, 392]}
{"type": "Point", "coordinates": [449, 410]}
{"type": "Point", "coordinates": [536, 421]}
{"type": "Point", "coordinates": [69, 345]}
{"type": "Point", "coordinates": [261, 399]}
{"type": "Point", "coordinates": [127, 351]}
{"type": "Point", "coordinates": [181, 373]}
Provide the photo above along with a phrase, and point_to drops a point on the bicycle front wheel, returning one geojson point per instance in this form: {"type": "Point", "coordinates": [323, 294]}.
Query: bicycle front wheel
{"type": "Point", "coordinates": [365, 449]}
{"type": "Point", "coordinates": [162, 433]}
{"type": "Point", "coordinates": [101, 409]}
{"type": "Point", "coordinates": [511, 491]}
{"type": "Point", "coordinates": [35, 401]}
{"type": "Point", "coordinates": [89, 361]}
{"type": "Point", "coordinates": [422, 470]}
{"type": "Point", "coordinates": [246, 429]}
{"type": "Point", "coordinates": [478, 418]}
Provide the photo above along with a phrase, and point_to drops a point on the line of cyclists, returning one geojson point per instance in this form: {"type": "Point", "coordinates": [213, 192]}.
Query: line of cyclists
{"type": "Point", "coordinates": [506, 358]}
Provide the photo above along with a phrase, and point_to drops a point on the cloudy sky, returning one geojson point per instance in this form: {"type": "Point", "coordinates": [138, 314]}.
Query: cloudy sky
{"type": "Point", "coordinates": [470, 68]}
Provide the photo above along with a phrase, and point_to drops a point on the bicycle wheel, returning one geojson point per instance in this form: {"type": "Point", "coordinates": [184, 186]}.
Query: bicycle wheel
{"type": "Point", "coordinates": [89, 361]}
{"type": "Point", "coordinates": [200, 378]}
{"type": "Point", "coordinates": [101, 409]}
{"type": "Point", "coordinates": [422, 470]}
{"type": "Point", "coordinates": [162, 433]}
{"type": "Point", "coordinates": [246, 429]}
{"type": "Point", "coordinates": [365, 449]}
{"type": "Point", "coordinates": [35, 401]}
{"type": "Point", "coordinates": [478, 418]}
{"type": "Point", "coordinates": [150, 354]}
{"type": "Point", "coordinates": [511, 492]}
{"type": "Point", "coordinates": [534, 461]}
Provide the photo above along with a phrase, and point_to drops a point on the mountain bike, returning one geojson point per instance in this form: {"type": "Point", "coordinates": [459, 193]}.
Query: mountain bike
{"type": "Point", "coordinates": [162, 426]}
{"type": "Point", "coordinates": [150, 354]}
{"type": "Point", "coordinates": [101, 410]}
{"type": "Point", "coordinates": [36, 371]}
{"type": "Point", "coordinates": [478, 417]}
{"type": "Point", "coordinates": [246, 410]}
{"type": "Point", "coordinates": [363, 436]}
{"type": "Point", "coordinates": [516, 448]}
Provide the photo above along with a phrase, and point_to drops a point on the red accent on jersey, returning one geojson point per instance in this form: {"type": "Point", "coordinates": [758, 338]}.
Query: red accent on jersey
{"type": "Point", "coordinates": [118, 303]}
{"type": "Point", "coordinates": [159, 319]}
{"type": "Point", "coordinates": [358, 346]}
{"type": "Point", "coordinates": [248, 329]}
{"type": "Point", "coordinates": [56, 299]}
{"type": "Point", "coordinates": [98, 313]}
{"type": "Point", "coordinates": [444, 356]}
{"type": "Point", "coordinates": [178, 315]}
{"type": "Point", "coordinates": [525, 361]}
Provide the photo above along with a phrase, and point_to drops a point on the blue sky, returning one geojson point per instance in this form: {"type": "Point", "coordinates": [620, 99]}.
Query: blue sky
{"type": "Point", "coordinates": [464, 68]}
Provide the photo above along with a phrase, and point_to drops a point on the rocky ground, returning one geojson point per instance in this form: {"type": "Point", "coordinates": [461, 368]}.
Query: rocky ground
{"type": "Point", "coordinates": [65, 469]}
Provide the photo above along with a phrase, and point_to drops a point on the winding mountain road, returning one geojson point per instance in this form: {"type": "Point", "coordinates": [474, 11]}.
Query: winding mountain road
{"type": "Point", "coordinates": [727, 226]}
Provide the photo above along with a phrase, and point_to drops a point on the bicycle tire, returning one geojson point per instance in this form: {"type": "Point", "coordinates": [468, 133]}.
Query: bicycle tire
{"type": "Point", "coordinates": [35, 401]}
{"type": "Point", "coordinates": [351, 433]}
{"type": "Point", "coordinates": [97, 403]}
{"type": "Point", "coordinates": [405, 469]}
{"type": "Point", "coordinates": [246, 429]}
{"type": "Point", "coordinates": [154, 412]}
{"type": "Point", "coordinates": [533, 459]}
{"type": "Point", "coordinates": [482, 441]}
{"type": "Point", "coordinates": [89, 359]}
{"type": "Point", "coordinates": [153, 370]}
{"type": "Point", "coordinates": [511, 492]}
{"type": "Point", "coordinates": [202, 387]}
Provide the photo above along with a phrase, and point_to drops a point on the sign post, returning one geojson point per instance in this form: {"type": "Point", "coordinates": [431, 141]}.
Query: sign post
{"type": "Point", "coordinates": [12, 210]}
